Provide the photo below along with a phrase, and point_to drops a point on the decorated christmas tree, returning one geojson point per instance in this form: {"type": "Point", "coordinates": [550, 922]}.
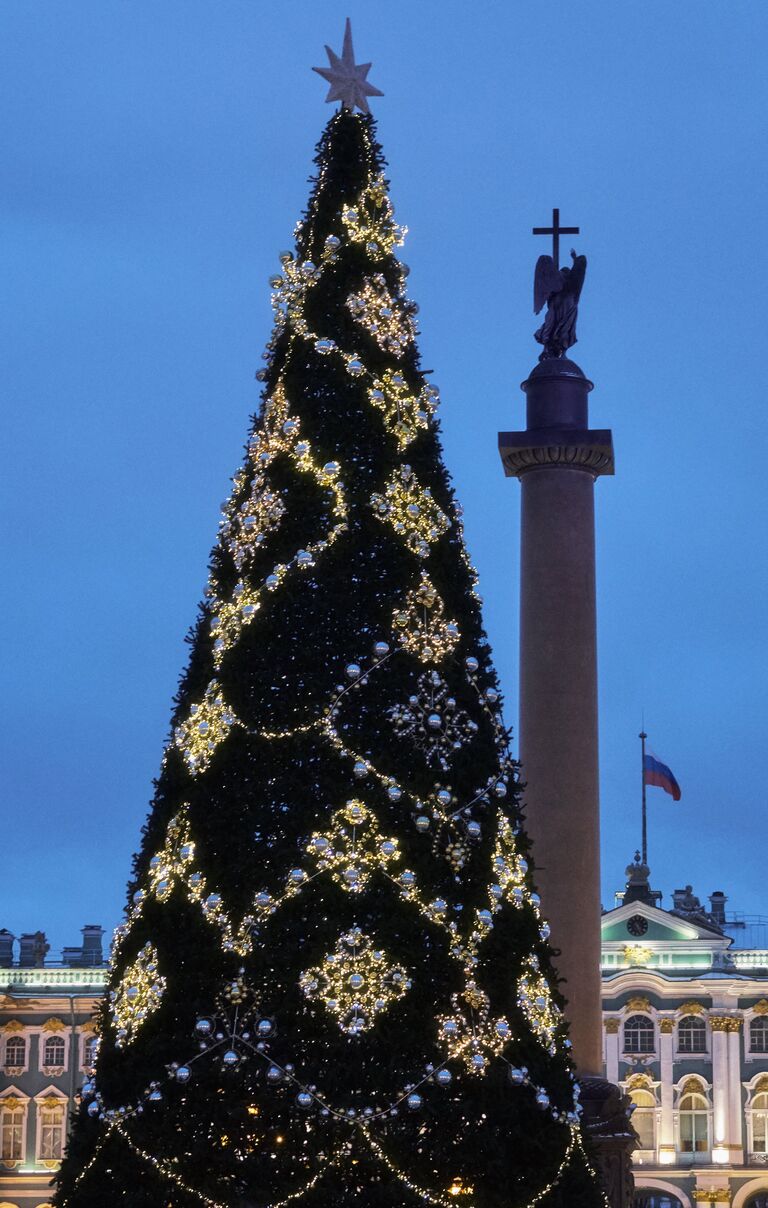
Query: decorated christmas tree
{"type": "Point", "coordinates": [333, 984]}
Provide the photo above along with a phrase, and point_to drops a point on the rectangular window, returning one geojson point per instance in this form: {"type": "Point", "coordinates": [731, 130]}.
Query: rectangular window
{"type": "Point", "coordinates": [11, 1134]}
{"type": "Point", "coordinates": [51, 1124]}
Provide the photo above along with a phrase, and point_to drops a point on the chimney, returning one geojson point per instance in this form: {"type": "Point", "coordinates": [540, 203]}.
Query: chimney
{"type": "Point", "coordinates": [33, 948]}
{"type": "Point", "coordinates": [717, 902]}
{"type": "Point", "coordinates": [6, 949]}
{"type": "Point", "coordinates": [92, 949]}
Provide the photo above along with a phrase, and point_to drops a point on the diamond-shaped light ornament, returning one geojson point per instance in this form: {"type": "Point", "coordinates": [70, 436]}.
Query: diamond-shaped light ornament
{"type": "Point", "coordinates": [347, 78]}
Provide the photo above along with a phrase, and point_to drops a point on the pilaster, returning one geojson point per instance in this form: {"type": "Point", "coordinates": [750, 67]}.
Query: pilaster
{"type": "Point", "coordinates": [736, 1138]}
{"type": "Point", "coordinates": [612, 1050]}
{"type": "Point", "coordinates": [726, 1142]}
{"type": "Point", "coordinates": [666, 1091]}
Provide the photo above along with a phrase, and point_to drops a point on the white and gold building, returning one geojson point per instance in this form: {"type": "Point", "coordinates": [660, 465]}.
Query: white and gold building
{"type": "Point", "coordinates": [685, 1009]}
{"type": "Point", "coordinates": [47, 1044]}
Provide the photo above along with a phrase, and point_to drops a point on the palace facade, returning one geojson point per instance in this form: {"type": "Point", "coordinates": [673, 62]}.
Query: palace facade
{"type": "Point", "coordinates": [47, 1045]}
{"type": "Point", "coordinates": [685, 1012]}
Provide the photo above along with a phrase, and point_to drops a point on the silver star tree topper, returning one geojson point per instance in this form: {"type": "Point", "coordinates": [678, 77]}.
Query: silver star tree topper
{"type": "Point", "coordinates": [346, 78]}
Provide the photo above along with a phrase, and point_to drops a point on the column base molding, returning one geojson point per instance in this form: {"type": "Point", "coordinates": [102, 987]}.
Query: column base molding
{"type": "Point", "coordinates": [609, 1138]}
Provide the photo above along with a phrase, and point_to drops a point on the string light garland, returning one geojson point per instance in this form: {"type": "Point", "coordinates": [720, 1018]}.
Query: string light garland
{"type": "Point", "coordinates": [382, 316]}
{"type": "Point", "coordinates": [405, 412]}
{"type": "Point", "coordinates": [356, 982]}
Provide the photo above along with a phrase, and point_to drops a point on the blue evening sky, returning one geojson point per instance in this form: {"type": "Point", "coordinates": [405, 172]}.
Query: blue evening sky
{"type": "Point", "coordinates": [155, 156]}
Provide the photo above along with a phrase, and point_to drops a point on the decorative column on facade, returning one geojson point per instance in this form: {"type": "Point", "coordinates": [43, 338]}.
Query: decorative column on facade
{"type": "Point", "coordinates": [667, 1114]}
{"type": "Point", "coordinates": [612, 1050]}
{"type": "Point", "coordinates": [736, 1112]}
{"type": "Point", "coordinates": [721, 1091]}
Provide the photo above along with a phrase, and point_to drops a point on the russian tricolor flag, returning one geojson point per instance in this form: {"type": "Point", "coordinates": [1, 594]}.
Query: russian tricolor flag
{"type": "Point", "coordinates": [657, 773]}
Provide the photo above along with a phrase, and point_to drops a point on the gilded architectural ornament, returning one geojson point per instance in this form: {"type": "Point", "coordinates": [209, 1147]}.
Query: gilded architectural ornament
{"type": "Point", "coordinates": [638, 1003]}
{"type": "Point", "coordinates": [612, 1026]}
{"type": "Point", "coordinates": [12, 1025]}
{"type": "Point", "coordinates": [637, 954]}
{"type": "Point", "coordinates": [639, 1081]}
{"type": "Point", "coordinates": [666, 1026]}
{"type": "Point", "coordinates": [691, 1008]}
{"type": "Point", "coordinates": [760, 1007]}
{"type": "Point", "coordinates": [712, 1195]}
{"type": "Point", "coordinates": [12, 1103]}
{"type": "Point", "coordinates": [724, 1023]}
{"type": "Point", "coordinates": [54, 1025]}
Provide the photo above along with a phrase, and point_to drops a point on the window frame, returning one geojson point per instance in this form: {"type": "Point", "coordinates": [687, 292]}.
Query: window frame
{"type": "Point", "coordinates": [700, 1027]}
{"type": "Point", "coordinates": [87, 1038]}
{"type": "Point", "coordinates": [52, 1069]}
{"type": "Point", "coordinates": [762, 1022]}
{"type": "Point", "coordinates": [21, 1105]}
{"type": "Point", "coordinates": [698, 1113]}
{"type": "Point", "coordinates": [44, 1102]}
{"type": "Point", "coordinates": [646, 1111]}
{"type": "Point", "coordinates": [649, 1027]}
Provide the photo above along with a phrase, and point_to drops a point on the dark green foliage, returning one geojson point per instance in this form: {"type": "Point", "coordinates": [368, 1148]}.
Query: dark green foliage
{"type": "Point", "coordinates": [228, 1137]}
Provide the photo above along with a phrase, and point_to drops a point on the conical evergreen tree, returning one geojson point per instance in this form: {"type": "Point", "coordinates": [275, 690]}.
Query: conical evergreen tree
{"type": "Point", "coordinates": [333, 984]}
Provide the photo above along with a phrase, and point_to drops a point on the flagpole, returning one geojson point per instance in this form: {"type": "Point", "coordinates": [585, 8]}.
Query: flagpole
{"type": "Point", "coordinates": [643, 737]}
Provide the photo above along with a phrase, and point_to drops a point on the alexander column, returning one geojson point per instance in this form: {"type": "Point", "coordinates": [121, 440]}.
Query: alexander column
{"type": "Point", "coordinates": [557, 459]}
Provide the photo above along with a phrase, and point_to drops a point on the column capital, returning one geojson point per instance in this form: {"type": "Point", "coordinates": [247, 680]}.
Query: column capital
{"type": "Point", "coordinates": [548, 448]}
{"type": "Point", "coordinates": [612, 1026]}
{"type": "Point", "coordinates": [725, 1023]}
{"type": "Point", "coordinates": [712, 1195]}
{"type": "Point", "coordinates": [666, 1026]}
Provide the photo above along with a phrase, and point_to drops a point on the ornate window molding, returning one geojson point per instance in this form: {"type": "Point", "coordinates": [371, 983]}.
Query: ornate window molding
{"type": "Point", "coordinates": [51, 1113]}
{"type": "Point", "coordinates": [11, 1032]}
{"type": "Point", "coordinates": [692, 1037]}
{"type": "Point", "coordinates": [13, 1128]}
{"type": "Point", "coordinates": [54, 1047]}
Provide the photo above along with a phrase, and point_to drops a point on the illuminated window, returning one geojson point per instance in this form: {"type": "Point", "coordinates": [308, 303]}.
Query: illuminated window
{"type": "Point", "coordinates": [694, 1123]}
{"type": "Point", "coordinates": [53, 1052]}
{"type": "Point", "coordinates": [758, 1034]}
{"type": "Point", "coordinates": [90, 1046]}
{"type": "Point", "coordinates": [644, 1118]}
{"type": "Point", "coordinates": [50, 1130]}
{"type": "Point", "coordinates": [759, 1115]}
{"type": "Point", "coordinates": [15, 1052]}
{"type": "Point", "coordinates": [639, 1035]}
{"type": "Point", "coordinates": [11, 1131]}
{"type": "Point", "coordinates": [650, 1197]}
{"type": "Point", "coordinates": [692, 1035]}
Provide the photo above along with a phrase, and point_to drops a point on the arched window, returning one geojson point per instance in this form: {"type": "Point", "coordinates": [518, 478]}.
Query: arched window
{"type": "Point", "coordinates": [758, 1034]}
{"type": "Point", "coordinates": [694, 1122]}
{"type": "Point", "coordinates": [759, 1116]}
{"type": "Point", "coordinates": [639, 1035]}
{"type": "Point", "coordinates": [50, 1130]}
{"type": "Point", "coordinates": [15, 1052]}
{"type": "Point", "coordinates": [758, 1200]}
{"type": "Point", "coordinates": [644, 1118]}
{"type": "Point", "coordinates": [11, 1131]}
{"type": "Point", "coordinates": [692, 1035]}
{"type": "Point", "coordinates": [651, 1197]}
{"type": "Point", "coordinates": [53, 1053]}
{"type": "Point", "coordinates": [90, 1047]}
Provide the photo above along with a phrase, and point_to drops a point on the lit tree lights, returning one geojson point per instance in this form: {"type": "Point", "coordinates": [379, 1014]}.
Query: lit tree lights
{"type": "Point", "coordinates": [333, 984]}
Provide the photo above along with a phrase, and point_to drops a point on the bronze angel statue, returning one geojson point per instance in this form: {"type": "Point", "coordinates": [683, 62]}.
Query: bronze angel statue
{"type": "Point", "coordinates": [560, 288]}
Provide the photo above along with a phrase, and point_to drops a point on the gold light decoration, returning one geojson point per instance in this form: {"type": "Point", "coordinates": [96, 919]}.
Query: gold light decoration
{"type": "Point", "coordinates": [421, 625]}
{"type": "Point", "coordinates": [208, 725]}
{"type": "Point", "coordinates": [470, 1034]}
{"type": "Point", "coordinates": [382, 315]}
{"type": "Point", "coordinates": [405, 413]}
{"type": "Point", "coordinates": [509, 868]}
{"type": "Point", "coordinates": [352, 849]}
{"type": "Point", "coordinates": [534, 998]}
{"type": "Point", "coordinates": [370, 221]}
{"type": "Point", "coordinates": [356, 982]}
{"type": "Point", "coordinates": [139, 994]}
{"type": "Point", "coordinates": [411, 511]}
